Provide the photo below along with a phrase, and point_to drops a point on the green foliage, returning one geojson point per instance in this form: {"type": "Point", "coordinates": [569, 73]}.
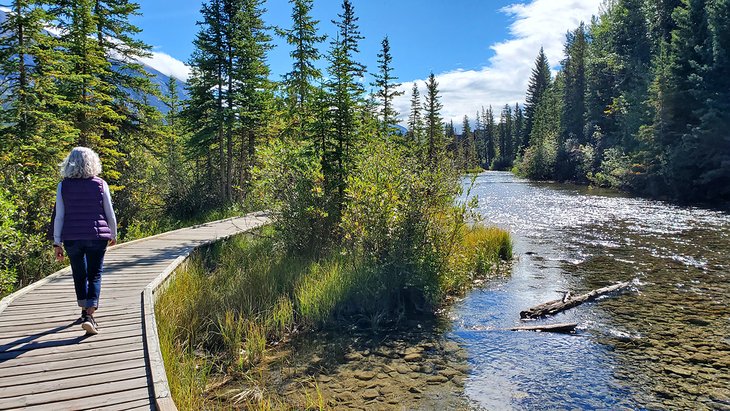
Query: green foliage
{"type": "Point", "coordinates": [291, 181]}
{"type": "Point", "coordinates": [643, 99]}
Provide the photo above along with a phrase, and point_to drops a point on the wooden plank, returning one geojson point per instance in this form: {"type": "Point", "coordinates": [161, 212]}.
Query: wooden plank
{"type": "Point", "coordinates": [107, 299]}
{"type": "Point", "coordinates": [68, 377]}
{"type": "Point", "coordinates": [69, 328]}
{"type": "Point", "coordinates": [123, 389]}
{"type": "Point", "coordinates": [65, 363]}
{"type": "Point", "coordinates": [9, 344]}
{"type": "Point", "coordinates": [71, 344]}
{"type": "Point", "coordinates": [8, 367]}
{"type": "Point", "coordinates": [66, 316]}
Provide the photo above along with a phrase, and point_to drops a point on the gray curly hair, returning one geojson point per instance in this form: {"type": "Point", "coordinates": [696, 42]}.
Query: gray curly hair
{"type": "Point", "coordinates": [81, 162]}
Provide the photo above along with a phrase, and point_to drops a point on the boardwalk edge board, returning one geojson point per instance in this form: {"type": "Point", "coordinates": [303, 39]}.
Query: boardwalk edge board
{"type": "Point", "coordinates": [160, 387]}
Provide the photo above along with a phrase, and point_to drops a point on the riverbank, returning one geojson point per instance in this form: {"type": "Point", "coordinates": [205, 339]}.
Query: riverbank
{"type": "Point", "coordinates": [246, 302]}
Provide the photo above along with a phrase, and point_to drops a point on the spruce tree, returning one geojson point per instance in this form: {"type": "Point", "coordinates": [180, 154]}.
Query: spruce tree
{"type": "Point", "coordinates": [505, 147]}
{"type": "Point", "coordinates": [467, 145]}
{"type": "Point", "coordinates": [690, 61]}
{"type": "Point", "coordinates": [249, 89]}
{"type": "Point", "coordinates": [539, 82]}
{"type": "Point", "coordinates": [573, 117]}
{"type": "Point", "coordinates": [518, 130]}
{"type": "Point", "coordinates": [415, 120]}
{"type": "Point", "coordinates": [344, 72]}
{"type": "Point", "coordinates": [433, 127]}
{"type": "Point", "coordinates": [34, 133]}
{"type": "Point", "coordinates": [387, 88]}
{"type": "Point", "coordinates": [489, 137]}
{"type": "Point", "coordinates": [299, 83]}
{"type": "Point", "coordinates": [106, 93]}
{"type": "Point", "coordinates": [204, 109]}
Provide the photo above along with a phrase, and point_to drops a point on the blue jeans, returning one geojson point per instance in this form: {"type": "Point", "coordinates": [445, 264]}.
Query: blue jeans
{"type": "Point", "coordinates": [87, 263]}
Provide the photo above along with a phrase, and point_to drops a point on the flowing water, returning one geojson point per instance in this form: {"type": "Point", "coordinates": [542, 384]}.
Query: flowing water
{"type": "Point", "coordinates": [663, 345]}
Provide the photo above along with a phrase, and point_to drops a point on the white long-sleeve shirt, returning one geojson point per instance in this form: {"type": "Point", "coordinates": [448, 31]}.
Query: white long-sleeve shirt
{"type": "Point", "coordinates": [111, 218]}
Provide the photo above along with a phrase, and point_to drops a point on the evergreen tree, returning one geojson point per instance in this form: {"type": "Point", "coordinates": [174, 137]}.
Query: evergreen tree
{"type": "Point", "coordinates": [249, 87]}
{"type": "Point", "coordinates": [299, 82]}
{"type": "Point", "coordinates": [204, 110]}
{"type": "Point", "coordinates": [105, 95]}
{"type": "Point", "coordinates": [518, 130]}
{"type": "Point", "coordinates": [504, 145]}
{"type": "Point", "coordinates": [479, 139]}
{"type": "Point", "coordinates": [346, 91]}
{"type": "Point", "coordinates": [433, 128]}
{"type": "Point", "coordinates": [34, 135]}
{"type": "Point", "coordinates": [573, 119]}
{"type": "Point", "coordinates": [468, 146]}
{"type": "Point", "coordinates": [690, 62]}
{"type": "Point", "coordinates": [415, 120]}
{"type": "Point", "coordinates": [539, 81]}
{"type": "Point", "coordinates": [489, 137]}
{"type": "Point", "coordinates": [571, 137]}
{"type": "Point", "coordinates": [387, 88]}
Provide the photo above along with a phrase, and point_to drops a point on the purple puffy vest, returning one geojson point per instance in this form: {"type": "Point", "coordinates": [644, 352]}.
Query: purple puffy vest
{"type": "Point", "coordinates": [84, 217]}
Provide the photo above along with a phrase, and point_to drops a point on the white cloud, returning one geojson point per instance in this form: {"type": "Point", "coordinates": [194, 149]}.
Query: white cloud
{"type": "Point", "coordinates": [167, 65]}
{"type": "Point", "coordinates": [504, 81]}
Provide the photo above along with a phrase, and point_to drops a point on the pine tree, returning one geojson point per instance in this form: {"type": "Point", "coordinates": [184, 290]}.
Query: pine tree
{"type": "Point", "coordinates": [573, 117]}
{"type": "Point", "coordinates": [34, 135]}
{"type": "Point", "coordinates": [387, 88]}
{"type": "Point", "coordinates": [489, 137]}
{"type": "Point", "coordinates": [506, 153]}
{"type": "Point", "coordinates": [248, 86]}
{"type": "Point", "coordinates": [539, 82]}
{"type": "Point", "coordinates": [415, 120]}
{"type": "Point", "coordinates": [343, 85]}
{"type": "Point", "coordinates": [433, 128]}
{"type": "Point", "coordinates": [468, 146]}
{"type": "Point", "coordinates": [203, 112]}
{"type": "Point", "coordinates": [690, 61]}
{"type": "Point", "coordinates": [299, 82]}
{"type": "Point", "coordinates": [518, 130]}
{"type": "Point", "coordinates": [105, 93]}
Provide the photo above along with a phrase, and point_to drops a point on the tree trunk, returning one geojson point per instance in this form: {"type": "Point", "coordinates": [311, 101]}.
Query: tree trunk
{"type": "Point", "coordinates": [567, 302]}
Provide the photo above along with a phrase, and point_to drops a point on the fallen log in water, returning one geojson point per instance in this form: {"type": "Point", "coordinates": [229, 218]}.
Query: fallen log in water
{"type": "Point", "coordinates": [569, 301]}
{"type": "Point", "coordinates": [555, 328]}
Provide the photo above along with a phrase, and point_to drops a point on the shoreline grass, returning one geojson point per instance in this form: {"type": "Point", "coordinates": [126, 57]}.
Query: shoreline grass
{"type": "Point", "coordinates": [233, 301]}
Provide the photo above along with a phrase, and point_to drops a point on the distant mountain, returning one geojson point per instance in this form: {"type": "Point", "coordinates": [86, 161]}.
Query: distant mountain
{"type": "Point", "coordinates": [400, 129]}
{"type": "Point", "coordinates": [161, 81]}
{"type": "Point", "coordinates": [157, 77]}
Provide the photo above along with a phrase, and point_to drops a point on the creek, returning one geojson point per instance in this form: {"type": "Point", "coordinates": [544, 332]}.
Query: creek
{"type": "Point", "coordinates": [663, 345]}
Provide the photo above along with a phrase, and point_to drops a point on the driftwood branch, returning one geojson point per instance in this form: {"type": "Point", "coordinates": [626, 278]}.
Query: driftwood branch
{"type": "Point", "coordinates": [555, 328]}
{"type": "Point", "coordinates": [569, 301]}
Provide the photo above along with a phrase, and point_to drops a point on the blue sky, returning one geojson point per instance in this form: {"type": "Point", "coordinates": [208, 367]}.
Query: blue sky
{"type": "Point", "coordinates": [481, 50]}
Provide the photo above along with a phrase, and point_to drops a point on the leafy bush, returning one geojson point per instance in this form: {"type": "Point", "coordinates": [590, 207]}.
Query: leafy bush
{"type": "Point", "coordinates": [614, 171]}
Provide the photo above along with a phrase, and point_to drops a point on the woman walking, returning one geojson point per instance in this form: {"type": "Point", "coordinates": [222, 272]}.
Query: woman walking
{"type": "Point", "coordinates": [85, 223]}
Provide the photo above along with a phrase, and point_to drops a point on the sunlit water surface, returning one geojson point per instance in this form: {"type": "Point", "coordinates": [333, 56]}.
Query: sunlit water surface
{"type": "Point", "coordinates": [663, 345]}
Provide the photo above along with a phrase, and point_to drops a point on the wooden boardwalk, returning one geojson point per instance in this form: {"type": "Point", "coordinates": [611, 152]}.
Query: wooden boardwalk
{"type": "Point", "coordinates": [46, 361]}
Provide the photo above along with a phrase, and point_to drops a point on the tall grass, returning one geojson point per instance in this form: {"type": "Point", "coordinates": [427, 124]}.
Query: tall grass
{"type": "Point", "coordinates": [232, 300]}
